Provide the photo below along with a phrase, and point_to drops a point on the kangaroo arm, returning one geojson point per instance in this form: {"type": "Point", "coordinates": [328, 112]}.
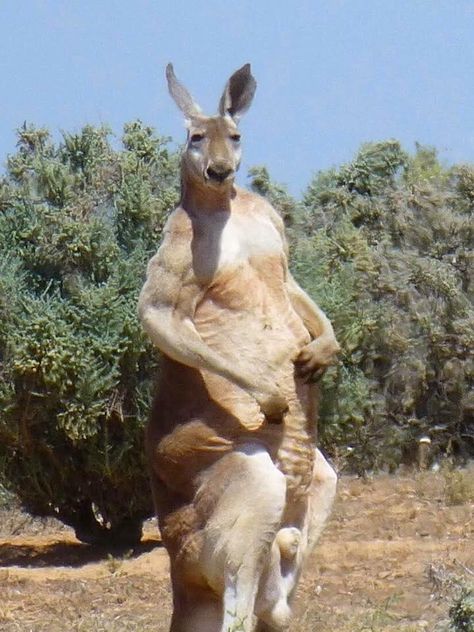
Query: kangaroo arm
{"type": "Point", "coordinates": [177, 338]}
{"type": "Point", "coordinates": [315, 320]}
{"type": "Point", "coordinates": [313, 359]}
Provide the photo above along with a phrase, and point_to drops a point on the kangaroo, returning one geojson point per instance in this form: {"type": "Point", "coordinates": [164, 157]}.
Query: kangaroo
{"type": "Point", "coordinates": [241, 492]}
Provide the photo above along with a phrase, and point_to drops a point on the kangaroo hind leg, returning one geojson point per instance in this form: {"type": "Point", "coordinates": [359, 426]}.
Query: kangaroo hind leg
{"type": "Point", "coordinates": [291, 549]}
{"type": "Point", "coordinates": [243, 519]}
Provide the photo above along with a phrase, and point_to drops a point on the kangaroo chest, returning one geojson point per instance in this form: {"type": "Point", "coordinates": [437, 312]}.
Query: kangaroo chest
{"type": "Point", "coordinates": [244, 238]}
{"type": "Point", "coordinates": [230, 243]}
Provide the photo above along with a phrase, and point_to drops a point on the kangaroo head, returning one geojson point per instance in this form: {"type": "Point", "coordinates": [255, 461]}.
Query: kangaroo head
{"type": "Point", "coordinates": [212, 153]}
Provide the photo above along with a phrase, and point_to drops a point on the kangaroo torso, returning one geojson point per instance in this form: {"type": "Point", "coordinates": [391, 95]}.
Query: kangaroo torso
{"type": "Point", "coordinates": [243, 312]}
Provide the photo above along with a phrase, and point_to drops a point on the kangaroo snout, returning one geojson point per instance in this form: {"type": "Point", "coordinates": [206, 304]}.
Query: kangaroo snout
{"type": "Point", "coordinates": [218, 172]}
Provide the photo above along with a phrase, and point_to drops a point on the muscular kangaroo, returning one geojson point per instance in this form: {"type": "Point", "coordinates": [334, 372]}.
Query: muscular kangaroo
{"type": "Point", "coordinates": [241, 492]}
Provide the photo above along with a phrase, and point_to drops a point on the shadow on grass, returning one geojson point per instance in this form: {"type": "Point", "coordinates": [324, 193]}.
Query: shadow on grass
{"type": "Point", "coordinates": [66, 553]}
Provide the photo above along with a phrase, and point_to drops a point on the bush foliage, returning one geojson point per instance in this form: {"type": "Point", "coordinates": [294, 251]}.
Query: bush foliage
{"type": "Point", "coordinates": [384, 244]}
{"type": "Point", "coordinates": [78, 222]}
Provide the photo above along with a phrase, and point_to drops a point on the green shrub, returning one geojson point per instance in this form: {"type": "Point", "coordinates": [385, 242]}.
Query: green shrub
{"type": "Point", "coordinates": [461, 612]}
{"type": "Point", "coordinates": [78, 223]}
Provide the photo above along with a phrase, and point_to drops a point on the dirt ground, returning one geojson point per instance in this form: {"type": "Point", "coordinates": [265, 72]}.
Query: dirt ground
{"type": "Point", "coordinates": [392, 556]}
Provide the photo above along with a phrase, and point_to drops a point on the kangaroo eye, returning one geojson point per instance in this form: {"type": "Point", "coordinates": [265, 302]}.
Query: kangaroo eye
{"type": "Point", "coordinates": [236, 138]}
{"type": "Point", "coordinates": [197, 138]}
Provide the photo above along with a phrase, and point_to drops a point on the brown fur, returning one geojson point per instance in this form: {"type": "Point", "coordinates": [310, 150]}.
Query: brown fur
{"type": "Point", "coordinates": [234, 409]}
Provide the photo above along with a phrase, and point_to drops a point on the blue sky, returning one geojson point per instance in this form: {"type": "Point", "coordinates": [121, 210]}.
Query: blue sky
{"type": "Point", "coordinates": [331, 74]}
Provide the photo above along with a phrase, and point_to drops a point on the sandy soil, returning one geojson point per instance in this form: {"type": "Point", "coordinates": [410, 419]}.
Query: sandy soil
{"type": "Point", "coordinates": [391, 558]}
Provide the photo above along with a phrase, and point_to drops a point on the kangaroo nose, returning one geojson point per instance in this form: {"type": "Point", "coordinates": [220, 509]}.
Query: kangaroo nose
{"type": "Point", "coordinates": [219, 172]}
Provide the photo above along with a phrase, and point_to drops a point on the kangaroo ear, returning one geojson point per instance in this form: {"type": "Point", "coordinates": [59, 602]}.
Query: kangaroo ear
{"type": "Point", "coordinates": [180, 95]}
{"type": "Point", "coordinates": [238, 93]}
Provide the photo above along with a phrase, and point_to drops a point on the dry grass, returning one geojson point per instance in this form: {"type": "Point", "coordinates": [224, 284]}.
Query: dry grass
{"type": "Point", "coordinates": [384, 564]}
{"type": "Point", "coordinates": [450, 486]}
{"type": "Point", "coordinates": [458, 486]}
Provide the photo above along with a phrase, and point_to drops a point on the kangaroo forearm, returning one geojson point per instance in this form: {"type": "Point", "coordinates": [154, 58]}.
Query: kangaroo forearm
{"type": "Point", "coordinates": [181, 342]}
{"type": "Point", "coordinates": [315, 320]}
